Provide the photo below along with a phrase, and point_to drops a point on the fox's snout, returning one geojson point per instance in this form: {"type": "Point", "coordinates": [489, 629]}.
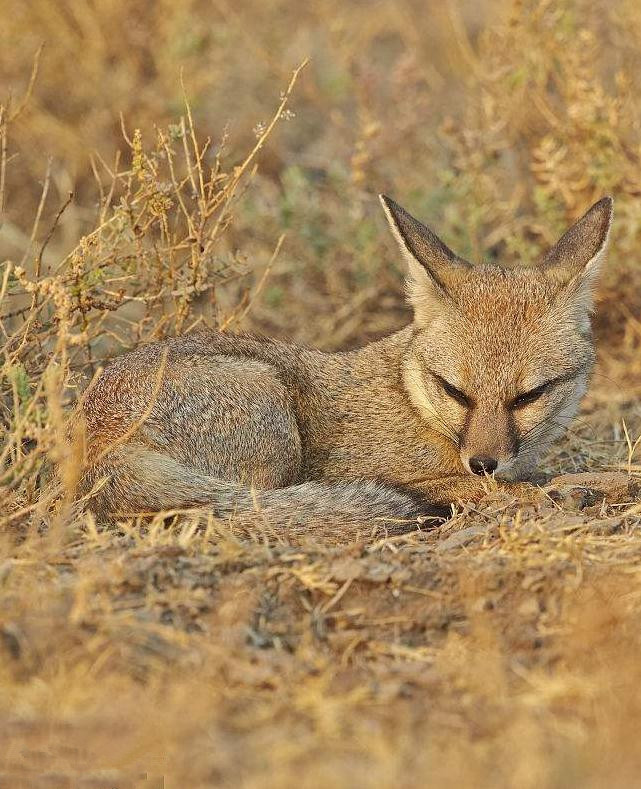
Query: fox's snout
{"type": "Point", "coordinates": [489, 441]}
{"type": "Point", "coordinates": [486, 464]}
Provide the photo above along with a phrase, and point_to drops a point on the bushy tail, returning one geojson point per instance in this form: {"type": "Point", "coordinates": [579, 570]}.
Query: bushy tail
{"type": "Point", "coordinates": [134, 479]}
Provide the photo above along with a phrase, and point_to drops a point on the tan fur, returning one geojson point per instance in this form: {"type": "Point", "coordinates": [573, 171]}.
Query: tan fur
{"type": "Point", "coordinates": [236, 423]}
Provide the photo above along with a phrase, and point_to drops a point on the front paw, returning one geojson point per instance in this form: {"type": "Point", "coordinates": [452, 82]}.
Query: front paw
{"type": "Point", "coordinates": [524, 491]}
{"type": "Point", "coordinates": [472, 489]}
{"type": "Point", "coordinates": [480, 489]}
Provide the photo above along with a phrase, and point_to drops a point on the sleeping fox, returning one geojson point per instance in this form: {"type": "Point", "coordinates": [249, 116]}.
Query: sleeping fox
{"type": "Point", "coordinates": [490, 371]}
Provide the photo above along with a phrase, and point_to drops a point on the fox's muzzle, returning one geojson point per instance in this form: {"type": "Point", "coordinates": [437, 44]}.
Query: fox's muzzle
{"type": "Point", "coordinates": [489, 441]}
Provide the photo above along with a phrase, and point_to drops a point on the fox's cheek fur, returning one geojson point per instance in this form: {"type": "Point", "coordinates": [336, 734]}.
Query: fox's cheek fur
{"type": "Point", "coordinates": [435, 408]}
{"type": "Point", "coordinates": [539, 427]}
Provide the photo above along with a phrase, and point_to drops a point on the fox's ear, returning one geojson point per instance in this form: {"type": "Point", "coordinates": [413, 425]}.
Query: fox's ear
{"type": "Point", "coordinates": [433, 268]}
{"type": "Point", "coordinates": [576, 259]}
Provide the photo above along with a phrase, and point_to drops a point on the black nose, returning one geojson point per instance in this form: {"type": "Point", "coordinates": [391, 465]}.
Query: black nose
{"type": "Point", "coordinates": [483, 464]}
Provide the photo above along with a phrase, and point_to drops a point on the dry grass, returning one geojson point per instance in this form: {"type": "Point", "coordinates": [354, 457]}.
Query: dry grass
{"type": "Point", "coordinates": [500, 650]}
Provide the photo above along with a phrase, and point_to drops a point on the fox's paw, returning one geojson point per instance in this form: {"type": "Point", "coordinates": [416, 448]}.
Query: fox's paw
{"type": "Point", "coordinates": [479, 490]}
{"type": "Point", "coordinates": [471, 489]}
{"type": "Point", "coordinates": [523, 491]}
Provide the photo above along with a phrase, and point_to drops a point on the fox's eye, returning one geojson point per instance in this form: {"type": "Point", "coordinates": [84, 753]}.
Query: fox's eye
{"type": "Point", "coordinates": [527, 398]}
{"type": "Point", "coordinates": [454, 393]}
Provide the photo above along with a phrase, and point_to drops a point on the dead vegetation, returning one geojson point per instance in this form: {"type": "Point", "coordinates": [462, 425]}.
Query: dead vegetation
{"type": "Point", "coordinates": [151, 197]}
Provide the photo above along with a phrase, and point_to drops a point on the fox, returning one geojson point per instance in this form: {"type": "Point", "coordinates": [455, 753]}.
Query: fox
{"type": "Point", "coordinates": [490, 371]}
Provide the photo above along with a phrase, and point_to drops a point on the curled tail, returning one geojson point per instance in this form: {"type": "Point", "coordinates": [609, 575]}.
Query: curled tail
{"type": "Point", "coordinates": [135, 479]}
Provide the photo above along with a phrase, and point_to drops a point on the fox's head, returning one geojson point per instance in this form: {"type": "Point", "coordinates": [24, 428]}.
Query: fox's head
{"type": "Point", "coordinates": [500, 358]}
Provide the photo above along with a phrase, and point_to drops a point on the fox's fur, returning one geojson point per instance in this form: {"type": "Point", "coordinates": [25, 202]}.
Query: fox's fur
{"type": "Point", "coordinates": [489, 373]}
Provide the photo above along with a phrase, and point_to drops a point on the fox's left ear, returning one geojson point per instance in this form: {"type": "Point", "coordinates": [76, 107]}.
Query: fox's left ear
{"type": "Point", "coordinates": [576, 259]}
{"type": "Point", "coordinates": [434, 270]}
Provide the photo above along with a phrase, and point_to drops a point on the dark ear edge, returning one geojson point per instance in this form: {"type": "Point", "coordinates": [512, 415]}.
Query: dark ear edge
{"type": "Point", "coordinates": [580, 250]}
{"type": "Point", "coordinates": [419, 244]}
{"type": "Point", "coordinates": [408, 229]}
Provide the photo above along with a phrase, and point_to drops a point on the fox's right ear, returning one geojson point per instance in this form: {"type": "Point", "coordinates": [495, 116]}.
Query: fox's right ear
{"type": "Point", "coordinates": [433, 268]}
{"type": "Point", "coordinates": [575, 260]}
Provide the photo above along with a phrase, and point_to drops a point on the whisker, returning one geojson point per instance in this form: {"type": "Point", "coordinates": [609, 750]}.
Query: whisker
{"type": "Point", "coordinates": [535, 433]}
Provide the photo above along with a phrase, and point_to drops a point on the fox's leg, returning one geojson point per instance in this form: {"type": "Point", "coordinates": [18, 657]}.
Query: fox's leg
{"type": "Point", "coordinates": [469, 487]}
{"type": "Point", "coordinates": [134, 479]}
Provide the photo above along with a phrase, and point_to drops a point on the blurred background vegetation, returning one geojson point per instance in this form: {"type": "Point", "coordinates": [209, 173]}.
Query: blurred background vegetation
{"type": "Point", "coordinates": [495, 121]}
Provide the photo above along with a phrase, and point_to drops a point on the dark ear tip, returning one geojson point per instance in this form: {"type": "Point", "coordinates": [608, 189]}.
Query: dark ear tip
{"type": "Point", "coordinates": [605, 203]}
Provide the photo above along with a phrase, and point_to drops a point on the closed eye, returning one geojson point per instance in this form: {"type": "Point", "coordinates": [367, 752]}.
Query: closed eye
{"type": "Point", "coordinates": [527, 398]}
{"type": "Point", "coordinates": [453, 392]}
